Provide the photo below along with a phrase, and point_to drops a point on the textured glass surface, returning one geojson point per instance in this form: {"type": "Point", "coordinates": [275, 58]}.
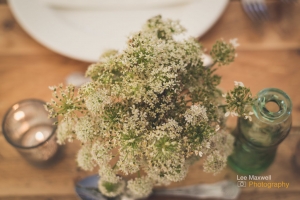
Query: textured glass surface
{"type": "Point", "coordinates": [257, 140]}
{"type": "Point", "coordinates": [26, 127]}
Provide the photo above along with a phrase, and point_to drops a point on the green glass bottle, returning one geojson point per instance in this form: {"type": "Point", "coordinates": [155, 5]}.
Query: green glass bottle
{"type": "Point", "coordinates": [257, 140]}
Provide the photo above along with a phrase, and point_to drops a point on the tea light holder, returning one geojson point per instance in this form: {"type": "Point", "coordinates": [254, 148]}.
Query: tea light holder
{"type": "Point", "coordinates": [27, 128]}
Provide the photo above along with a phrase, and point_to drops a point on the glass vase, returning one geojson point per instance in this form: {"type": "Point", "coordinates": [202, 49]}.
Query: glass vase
{"type": "Point", "coordinates": [257, 140]}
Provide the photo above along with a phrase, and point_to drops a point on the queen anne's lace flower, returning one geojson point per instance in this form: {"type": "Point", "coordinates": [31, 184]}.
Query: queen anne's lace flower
{"type": "Point", "coordinates": [128, 163]}
{"type": "Point", "coordinates": [239, 84]}
{"type": "Point", "coordinates": [151, 109]}
{"type": "Point", "coordinates": [108, 174]}
{"type": "Point", "coordinates": [232, 113]}
{"type": "Point", "coordinates": [65, 130]}
{"type": "Point", "coordinates": [140, 187]}
{"type": "Point", "coordinates": [239, 101]}
{"type": "Point", "coordinates": [84, 129]}
{"type": "Point", "coordinates": [214, 162]}
{"type": "Point", "coordinates": [84, 158]}
{"type": "Point", "coordinates": [97, 99]}
{"type": "Point", "coordinates": [111, 189]}
{"type": "Point", "coordinates": [224, 53]}
{"type": "Point", "coordinates": [223, 141]}
{"type": "Point", "coordinates": [195, 114]}
{"type": "Point", "coordinates": [101, 154]}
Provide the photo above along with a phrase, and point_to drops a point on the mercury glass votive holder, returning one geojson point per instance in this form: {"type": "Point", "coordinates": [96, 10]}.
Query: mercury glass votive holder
{"type": "Point", "coordinates": [28, 129]}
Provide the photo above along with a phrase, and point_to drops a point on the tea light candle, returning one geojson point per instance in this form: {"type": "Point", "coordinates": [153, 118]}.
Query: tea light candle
{"type": "Point", "coordinates": [39, 136]}
{"type": "Point", "coordinates": [26, 127]}
{"type": "Point", "coordinates": [36, 135]}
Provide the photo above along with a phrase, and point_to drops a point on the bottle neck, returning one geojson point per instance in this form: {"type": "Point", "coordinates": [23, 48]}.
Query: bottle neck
{"type": "Point", "coordinates": [273, 106]}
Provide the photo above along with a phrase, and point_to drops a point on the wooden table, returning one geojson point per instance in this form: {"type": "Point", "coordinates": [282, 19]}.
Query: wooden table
{"type": "Point", "coordinates": [269, 56]}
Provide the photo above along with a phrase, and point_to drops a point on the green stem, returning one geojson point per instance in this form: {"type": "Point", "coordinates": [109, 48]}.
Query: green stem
{"type": "Point", "coordinates": [215, 62]}
{"type": "Point", "coordinates": [223, 106]}
{"type": "Point", "coordinates": [115, 165]}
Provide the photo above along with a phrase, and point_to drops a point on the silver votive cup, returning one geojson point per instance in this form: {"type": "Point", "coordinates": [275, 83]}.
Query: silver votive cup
{"type": "Point", "coordinates": [28, 129]}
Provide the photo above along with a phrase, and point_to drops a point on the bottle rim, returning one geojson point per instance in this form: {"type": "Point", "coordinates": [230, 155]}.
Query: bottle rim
{"type": "Point", "coordinates": [278, 97]}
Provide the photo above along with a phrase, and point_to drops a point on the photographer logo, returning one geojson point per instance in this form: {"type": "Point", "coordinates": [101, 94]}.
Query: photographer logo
{"type": "Point", "coordinates": [260, 182]}
{"type": "Point", "coordinates": [241, 183]}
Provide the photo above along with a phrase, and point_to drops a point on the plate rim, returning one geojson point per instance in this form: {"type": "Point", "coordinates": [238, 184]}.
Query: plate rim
{"type": "Point", "coordinates": [64, 45]}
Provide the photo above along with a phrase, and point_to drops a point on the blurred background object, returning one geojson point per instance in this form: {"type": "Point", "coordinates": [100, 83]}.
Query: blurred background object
{"type": "Point", "coordinates": [84, 29]}
{"type": "Point", "coordinates": [280, 14]}
{"type": "Point", "coordinates": [256, 9]}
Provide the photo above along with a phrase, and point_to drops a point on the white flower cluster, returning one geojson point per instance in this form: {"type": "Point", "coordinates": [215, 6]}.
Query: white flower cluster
{"type": "Point", "coordinates": [214, 162]}
{"type": "Point", "coordinates": [239, 100]}
{"type": "Point", "coordinates": [84, 129]}
{"type": "Point", "coordinates": [220, 148]}
{"type": "Point", "coordinates": [101, 154]}
{"type": "Point", "coordinates": [195, 114]}
{"type": "Point", "coordinates": [111, 189]}
{"type": "Point", "coordinates": [97, 98]}
{"type": "Point", "coordinates": [84, 158]}
{"type": "Point", "coordinates": [140, 187]}
{"type": "Point", "coordinates": [65, 131]}
{"type": "Point", "coordinates": [149, 110]}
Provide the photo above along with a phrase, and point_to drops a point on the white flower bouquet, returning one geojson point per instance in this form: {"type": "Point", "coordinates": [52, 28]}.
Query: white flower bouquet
{"type": "Point", "coordinates": [151, 110]}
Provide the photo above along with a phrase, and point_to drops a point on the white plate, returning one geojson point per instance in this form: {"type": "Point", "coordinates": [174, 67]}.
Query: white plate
{"type": "Point", "coordinates": [84, 34]}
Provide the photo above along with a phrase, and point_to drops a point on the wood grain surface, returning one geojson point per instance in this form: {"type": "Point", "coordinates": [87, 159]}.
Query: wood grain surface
{"type": "Point", "coordinates": [269, 56]}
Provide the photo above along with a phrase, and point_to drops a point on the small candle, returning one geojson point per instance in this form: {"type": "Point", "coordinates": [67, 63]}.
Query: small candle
{"type": "Point", "coordinates": [27, 127]}
{"type": "Point", "coordinates": [36, 135]}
